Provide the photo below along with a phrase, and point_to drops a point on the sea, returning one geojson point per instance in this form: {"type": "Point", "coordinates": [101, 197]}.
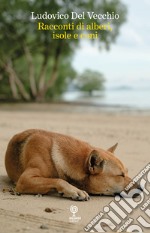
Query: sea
{"type": "Point", "coordinates": [120, 97]}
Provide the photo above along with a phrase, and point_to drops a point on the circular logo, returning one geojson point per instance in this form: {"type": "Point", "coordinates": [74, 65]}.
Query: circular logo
{"type": "Point", "coordinates": [73, 209]}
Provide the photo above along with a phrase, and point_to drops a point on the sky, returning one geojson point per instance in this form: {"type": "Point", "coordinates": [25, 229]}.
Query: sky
{"type": "Point", "coordinates": [128, 61]}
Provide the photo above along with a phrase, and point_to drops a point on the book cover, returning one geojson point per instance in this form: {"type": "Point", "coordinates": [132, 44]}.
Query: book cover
{"type": "Point", "coordinates": [78, 68]}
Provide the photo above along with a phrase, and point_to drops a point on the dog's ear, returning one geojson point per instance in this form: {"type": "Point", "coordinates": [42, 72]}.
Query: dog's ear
{"type": "Point", "coordinates": [95, 162]}
{"type": "Point", "coordinates": [113, 148]}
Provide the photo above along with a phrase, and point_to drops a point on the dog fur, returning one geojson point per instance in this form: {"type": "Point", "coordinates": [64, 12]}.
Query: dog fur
{"type": "Point", "coordinates": [39, 161]}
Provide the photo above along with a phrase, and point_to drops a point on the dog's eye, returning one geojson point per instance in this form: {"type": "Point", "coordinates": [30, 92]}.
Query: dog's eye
{"type": "Point", "coordinates": [123, 175]}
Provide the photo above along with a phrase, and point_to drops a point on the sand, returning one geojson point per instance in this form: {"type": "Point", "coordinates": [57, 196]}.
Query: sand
{"type": "Point", "coordinates": [26, 213]}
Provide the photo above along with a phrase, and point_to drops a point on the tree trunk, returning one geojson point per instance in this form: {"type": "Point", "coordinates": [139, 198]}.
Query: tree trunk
{"type": "Point", "coordinates": [42, 80]}
{"type": "Point", "coordinates": [13, 87]}
{"type": "Point", "coordinates": [54, 74]}
{"type": "Point", "coordinates": [31, 71]}
{"type": "Point", "coordinates": [13, 76]}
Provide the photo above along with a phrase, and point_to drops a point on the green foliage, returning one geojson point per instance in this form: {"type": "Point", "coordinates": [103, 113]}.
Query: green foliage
{"type": "Point", "coordinates": [33, 66]}
{"type": "Point", "coordinates": [4, 88]}
{"type": "Point", "coordinates": [90, 81]}
{"type": "Point", "coordinates": [65, 74]}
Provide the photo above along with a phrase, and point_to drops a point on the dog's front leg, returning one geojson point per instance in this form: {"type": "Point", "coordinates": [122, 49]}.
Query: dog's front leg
{"type": "Point", "coordinates": [70, 191]}
{"type": "Point", "coordinates": [29, 182]}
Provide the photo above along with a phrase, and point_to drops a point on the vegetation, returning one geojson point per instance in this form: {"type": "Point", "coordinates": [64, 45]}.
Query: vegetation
{"type": "Point", "coordinates": [90, 81]}
{"type": "Point", "coordinates": [33, 66]}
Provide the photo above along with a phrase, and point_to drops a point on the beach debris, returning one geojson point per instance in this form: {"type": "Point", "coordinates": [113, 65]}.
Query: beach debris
{"type": "Point", "coordinates": [11, 191]}
{"type": "Point", "coordinates": [21, 215]}
{"type": "Point", "coordinates": [5, 190]}
{"type": "Point", "coordinates": [38, 195]}
{"type": "Point", "coordinates": [43, 226]}
{"type": "Point", "coordinates": [49, 210]}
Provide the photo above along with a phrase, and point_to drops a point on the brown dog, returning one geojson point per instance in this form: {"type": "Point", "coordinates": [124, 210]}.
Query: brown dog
{"type": "Point", "coordinates": [39, 161]}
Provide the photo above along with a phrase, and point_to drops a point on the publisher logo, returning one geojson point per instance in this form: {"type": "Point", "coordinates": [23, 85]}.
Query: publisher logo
{"type": "Point", "coordinates": [74, 210]}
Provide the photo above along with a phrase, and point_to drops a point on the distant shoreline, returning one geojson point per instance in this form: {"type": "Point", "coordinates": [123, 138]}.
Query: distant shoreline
{"type": "Point", "coordinates": [70, 106]}
{"type": "Point", "coordinates": [137, 99]}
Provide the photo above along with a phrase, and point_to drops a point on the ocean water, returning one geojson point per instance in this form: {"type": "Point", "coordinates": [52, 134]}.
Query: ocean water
{"type": "Point", "coordinates": [121, 97]}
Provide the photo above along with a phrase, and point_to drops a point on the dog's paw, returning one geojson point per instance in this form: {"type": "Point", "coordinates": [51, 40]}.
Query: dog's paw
{"type": "Point", "coordinates": [76, 194]}
{"type": "Point", "coordinates": [80, 195]}
{"type": "Point", "coordinates": [70, 191]}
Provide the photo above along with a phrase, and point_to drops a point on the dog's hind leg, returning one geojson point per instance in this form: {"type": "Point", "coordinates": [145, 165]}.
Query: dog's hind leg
{"type": "Point", "coordinates": [31, 182]}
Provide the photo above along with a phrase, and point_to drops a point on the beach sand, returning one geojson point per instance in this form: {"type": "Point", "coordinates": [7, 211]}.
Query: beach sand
{"type": "Point", "coordinates": [26, 213]}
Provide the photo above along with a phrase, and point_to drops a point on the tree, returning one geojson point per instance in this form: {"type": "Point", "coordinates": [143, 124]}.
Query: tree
{"type": "Point", "coordinates": [90, 81]}
{"type": "Point", "coordinates": [30, 60]}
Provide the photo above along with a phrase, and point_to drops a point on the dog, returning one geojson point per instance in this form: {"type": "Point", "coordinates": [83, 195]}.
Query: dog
{"type": "Point", "coordinates": [39, 161]}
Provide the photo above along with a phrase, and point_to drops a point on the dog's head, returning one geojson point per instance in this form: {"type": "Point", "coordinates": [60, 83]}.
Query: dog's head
{"type": "Point", "coordinates": [107, 174]}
